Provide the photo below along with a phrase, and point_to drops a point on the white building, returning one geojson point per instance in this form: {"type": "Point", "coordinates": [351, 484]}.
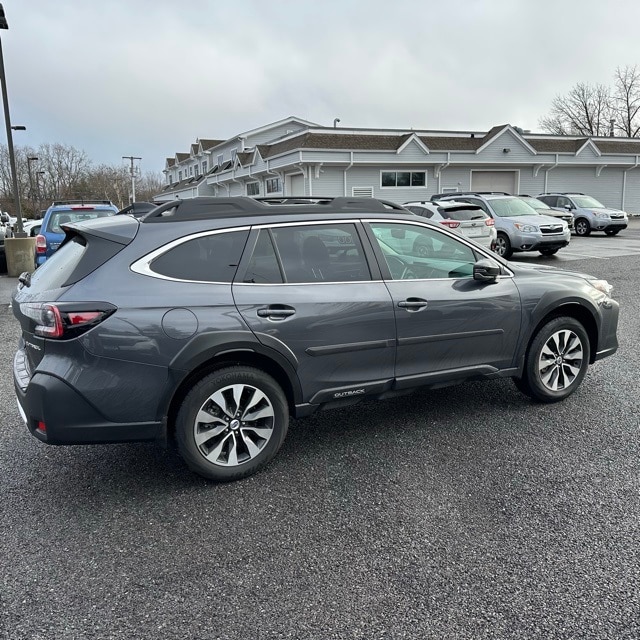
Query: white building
{"type": "Point", "coordinates": [294, 157]}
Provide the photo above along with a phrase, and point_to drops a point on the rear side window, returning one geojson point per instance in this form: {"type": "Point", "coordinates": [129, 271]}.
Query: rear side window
{"type": "Point", "coordinates": [549, 200]}
{"type": "Point", "coordinates": [211, 258]}
{"type": "Point", "coordinates": [421, 211]}
{"type": "Point", "coordinates": [57, 270]}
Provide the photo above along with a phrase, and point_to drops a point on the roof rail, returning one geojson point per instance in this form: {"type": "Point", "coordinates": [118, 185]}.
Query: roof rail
{"type": "Point", "coordinates": [204, 207]}
{"type": "Point", "coordinates": [57, 203]}
{"type": "Point", "coordinates": [572, 193]}
{"type": "Point", "coordinates": [449, 194]}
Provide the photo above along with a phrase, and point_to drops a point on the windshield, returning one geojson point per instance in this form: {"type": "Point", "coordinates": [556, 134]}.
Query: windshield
{"type": "Point", "coordinates": [536, 204]}
{"type": "Point", "coordinates": [587, 202]}
{"type": "Point", "coordinates": [512, 208]}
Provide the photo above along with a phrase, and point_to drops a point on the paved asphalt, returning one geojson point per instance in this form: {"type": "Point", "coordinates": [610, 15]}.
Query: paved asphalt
{"type": "Point", "coordinates": [466, 512]}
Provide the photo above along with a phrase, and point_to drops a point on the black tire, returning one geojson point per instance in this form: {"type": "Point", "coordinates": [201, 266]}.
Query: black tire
{"type": "Point", "coordinates": [422, 249]}
{"type": "Point", "coordinates": [558, 356]}
{"type": "Point", "coordinates": [236, 448]}
{"type": "Point", "coordinates": [612, 232]}
{"type": "Point", "coordinates": [582, 227]}
{"type": "Point", "coordinates": [503, 246]}
{"type": "Point", "coordinates": [549, 252]}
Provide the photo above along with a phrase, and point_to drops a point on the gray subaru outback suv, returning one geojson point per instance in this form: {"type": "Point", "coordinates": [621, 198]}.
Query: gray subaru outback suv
{"type": "Point", "coordinates": [210, 321]}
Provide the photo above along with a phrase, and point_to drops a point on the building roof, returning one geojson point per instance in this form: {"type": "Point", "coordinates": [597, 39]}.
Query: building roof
{"type": "Point", "coordinates": [209, 144]}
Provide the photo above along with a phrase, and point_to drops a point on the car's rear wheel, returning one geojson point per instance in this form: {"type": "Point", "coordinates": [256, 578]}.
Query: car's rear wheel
{"type": "Point", "coordinates": [556, 361]}
{"type": "Point", "coordinates": [582, 227]}
{"type": "Point", "coordinates": [548, 252]}
{"type": "Point", "coordinates": [612, 232]}
{"type": "Point", "coordinates": [503, 246]}
{"type": "Point", "coordinates": [232, 423]}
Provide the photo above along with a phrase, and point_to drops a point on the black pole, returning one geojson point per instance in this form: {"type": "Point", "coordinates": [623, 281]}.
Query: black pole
{"type": "Point", "coordinates": [12, 160]}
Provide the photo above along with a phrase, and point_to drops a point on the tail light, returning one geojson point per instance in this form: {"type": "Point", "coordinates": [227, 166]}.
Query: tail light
{"type": "Point", "coordinates": [41, 244]}
{"type": "Point", "coordinates": [65, 321]}
{"type": "Point", "coordinates": [490, 222]}
{"type": "Point", "coordinates": [452, 224]}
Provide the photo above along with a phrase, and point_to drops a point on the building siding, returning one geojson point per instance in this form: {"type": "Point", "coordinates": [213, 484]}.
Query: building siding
{"type": "Point", "coordinates": [607, 188]}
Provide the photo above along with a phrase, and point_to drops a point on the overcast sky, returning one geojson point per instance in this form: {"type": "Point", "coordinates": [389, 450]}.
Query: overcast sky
{"type": "Point", "coordinates": [149, 77]}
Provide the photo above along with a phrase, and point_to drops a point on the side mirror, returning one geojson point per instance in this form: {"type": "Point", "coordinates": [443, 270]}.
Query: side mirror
{"type": "Point", "coordinates": [486, 270]}
{"type": "Point", "coordinates": [568, 207]}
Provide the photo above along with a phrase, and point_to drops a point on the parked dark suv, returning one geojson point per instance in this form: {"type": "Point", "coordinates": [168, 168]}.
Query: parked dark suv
{"type": "Point", "coordinates": [215, 319]}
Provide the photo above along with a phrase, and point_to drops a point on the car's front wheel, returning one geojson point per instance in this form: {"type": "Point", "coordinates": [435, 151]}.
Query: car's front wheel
{"type": "Point", "coordinates": [582, 227]}
{"type": "Point", "coordinates": [232, 423]}
{"type": "Point", "coordinates": [548, 252]}
{"type": "Point", "coordinates": [503, 246]}
{"type": "Point", "coordinates": [556, 361]}
{"type": "Point", "coordinates": [612, 232]}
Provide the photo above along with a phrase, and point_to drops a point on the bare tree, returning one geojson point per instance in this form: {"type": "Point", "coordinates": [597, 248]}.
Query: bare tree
{"type": "Point", "coordinates": [585, 110]}
{"type": "Point", "coordinates": [626, 101]}
{"type": "Point", "coordinates": [62, 171]}
{"type": "Point", "coordinates": [148, 185]}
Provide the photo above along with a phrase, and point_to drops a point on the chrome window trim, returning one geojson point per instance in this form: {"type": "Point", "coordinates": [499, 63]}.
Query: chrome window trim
{"type": "Point", "coordinates": [143, 265]}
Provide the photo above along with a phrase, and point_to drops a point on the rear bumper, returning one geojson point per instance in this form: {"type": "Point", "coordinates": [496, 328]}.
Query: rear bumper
{"type": "Point", "coordinates": [70, 419]}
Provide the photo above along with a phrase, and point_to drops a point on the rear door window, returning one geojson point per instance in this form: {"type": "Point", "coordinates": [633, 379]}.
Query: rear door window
{"type": "Point", "coordinates": [321, 253]}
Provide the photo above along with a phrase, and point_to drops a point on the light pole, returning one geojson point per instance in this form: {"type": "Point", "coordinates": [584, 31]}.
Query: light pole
{"type": "Point", "coordinates": [31, 159]}
{"type": "Point", "coordinates": [12, 160]}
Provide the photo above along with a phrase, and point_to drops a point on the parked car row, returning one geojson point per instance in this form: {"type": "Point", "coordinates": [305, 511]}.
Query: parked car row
{"type": "Point", "coordinates": [522, 222]}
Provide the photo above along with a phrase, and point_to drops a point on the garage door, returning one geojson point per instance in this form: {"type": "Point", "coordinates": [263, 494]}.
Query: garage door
{"type": "Point", "coordinates": [506, 181]}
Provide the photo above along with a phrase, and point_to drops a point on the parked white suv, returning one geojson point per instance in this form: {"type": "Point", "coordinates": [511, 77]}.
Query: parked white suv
{"type": "Point", "coordinates": [467, 219]}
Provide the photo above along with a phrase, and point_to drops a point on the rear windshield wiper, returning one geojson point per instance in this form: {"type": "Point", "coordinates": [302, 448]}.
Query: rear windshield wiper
{"type": "Point", "coordinates": [25, 279]}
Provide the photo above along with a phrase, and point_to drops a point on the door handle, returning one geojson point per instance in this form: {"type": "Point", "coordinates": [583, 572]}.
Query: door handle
{"type": "Point", "coordinates": [413, 304]}
{"type": "Point", "coordinates": [276, 312]}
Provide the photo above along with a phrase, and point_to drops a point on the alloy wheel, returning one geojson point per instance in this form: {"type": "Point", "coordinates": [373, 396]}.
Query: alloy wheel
{"type": "Point", "coordinates": [560, 360]}
{"type": "Point", "coordinates": [234, 425]}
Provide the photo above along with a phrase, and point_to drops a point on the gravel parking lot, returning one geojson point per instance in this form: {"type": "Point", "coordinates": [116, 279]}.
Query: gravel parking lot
{"type": "Point", "coordinates": [466, 512]}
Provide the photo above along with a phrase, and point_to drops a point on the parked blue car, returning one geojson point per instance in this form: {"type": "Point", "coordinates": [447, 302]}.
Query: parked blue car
{"type": "Point", "coordinates": [63, 212]}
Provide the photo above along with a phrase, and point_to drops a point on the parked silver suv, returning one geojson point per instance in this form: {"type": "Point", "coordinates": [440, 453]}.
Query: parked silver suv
{"type": "Point", "coordinates": [519, 227]}
{"type": "Point", "coordinates": [212, 320]}
{"type": "Point", "coordinates": [589, 214]}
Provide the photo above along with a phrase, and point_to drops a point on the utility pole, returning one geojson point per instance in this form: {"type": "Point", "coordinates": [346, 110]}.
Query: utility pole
{"type": "Point", "coordinates": [12, 161]}
{"type": "Point", "coordinates": [132, 172]}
